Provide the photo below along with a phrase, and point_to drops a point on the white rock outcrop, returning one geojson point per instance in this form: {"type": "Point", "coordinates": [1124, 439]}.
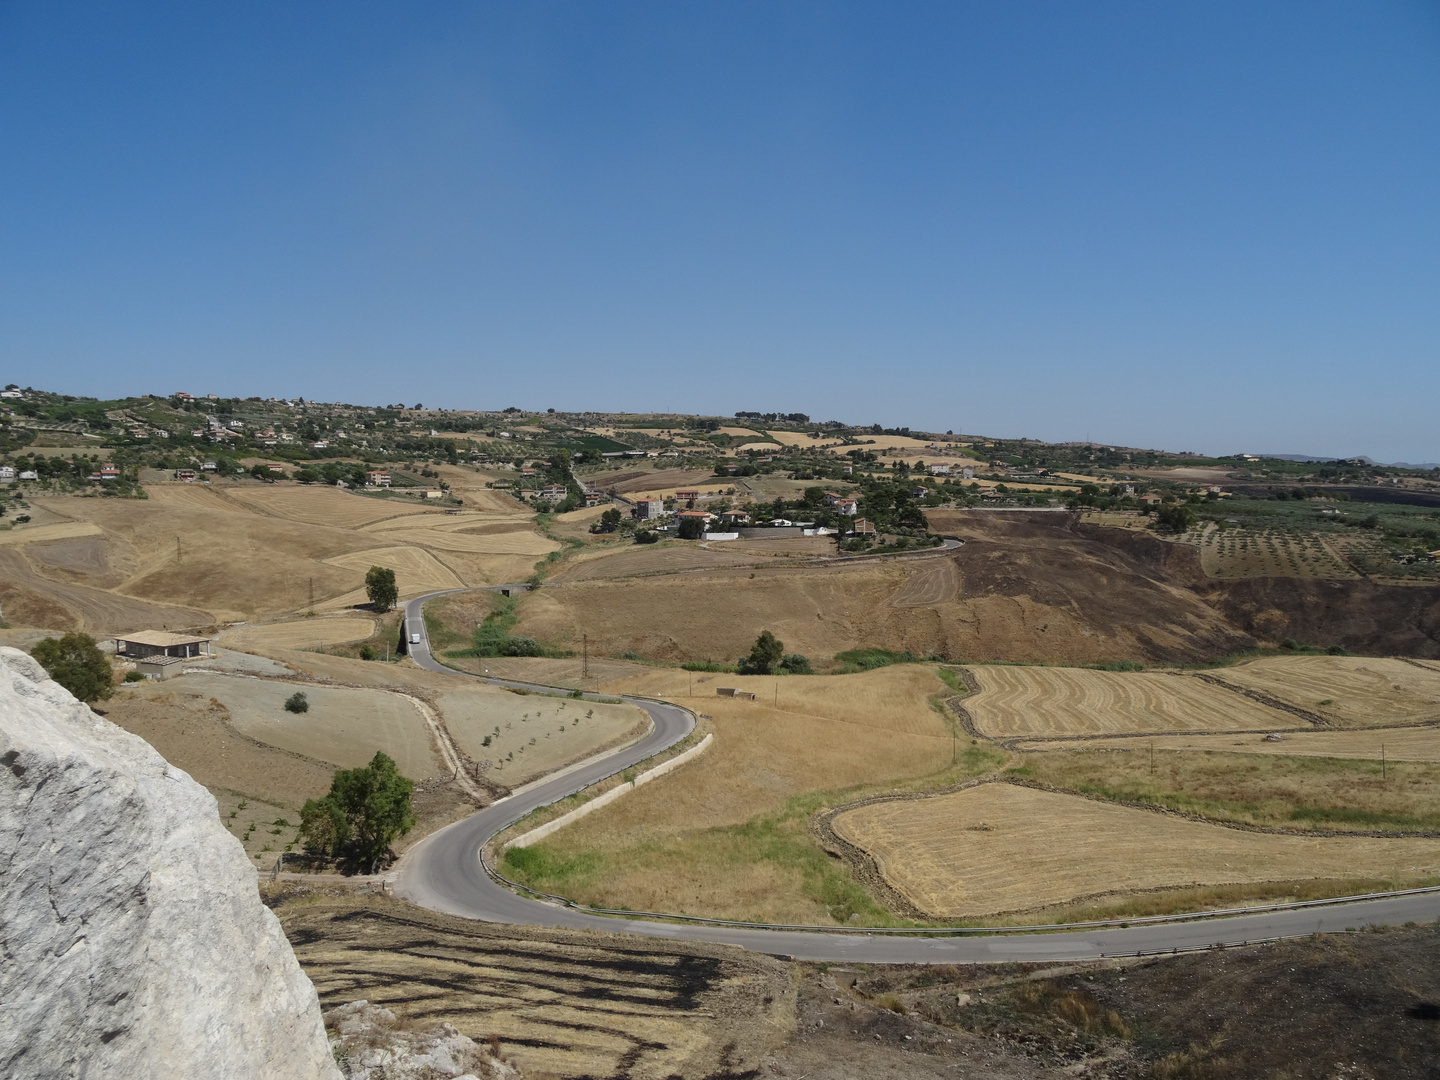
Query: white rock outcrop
{"type": "Point", "coordinates": [372, 1045]}
{"type": "Point", "coordinates": [133, 942]}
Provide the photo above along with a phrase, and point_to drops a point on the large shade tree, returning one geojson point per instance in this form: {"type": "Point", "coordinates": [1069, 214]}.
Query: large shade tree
{"type": "Point", "coordinates": [76, 663]}
{"type": "Point", "coordinates": [381, 588]}
{"type": "Point", "coordinates": [366, 810]}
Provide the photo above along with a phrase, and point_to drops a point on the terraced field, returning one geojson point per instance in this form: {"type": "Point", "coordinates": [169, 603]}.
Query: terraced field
{"type": "Point", "coordinates": [999, 848]}
{"type": "Point", "coordinates": [1037, 701]}
{"type": "Point", "coordinates": [560, 1003]}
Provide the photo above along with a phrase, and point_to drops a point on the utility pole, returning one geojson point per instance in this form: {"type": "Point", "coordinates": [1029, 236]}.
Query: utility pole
{"type": "Point", "coordinates": [312, 592]}
{"type": "Point", "coordinates": [1382, 762]}
{"type": "Point", "coordinates": [1152, 757]}
{"type": "Point", "coordinates": [177, 551]}
{"type": "Point", "coordinates": [585, 656]}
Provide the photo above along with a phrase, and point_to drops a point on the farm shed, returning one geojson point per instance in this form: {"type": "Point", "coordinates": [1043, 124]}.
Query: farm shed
{"type": "Point", "coordinates": [160, 667]}
{"type": "Point", "coordinates": [147, 643]}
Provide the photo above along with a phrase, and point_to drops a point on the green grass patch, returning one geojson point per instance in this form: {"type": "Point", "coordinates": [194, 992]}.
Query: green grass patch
{"type": "Point", "coordinates": [854, 660]}
{"type": "Point", "coordinates": [707, 665]}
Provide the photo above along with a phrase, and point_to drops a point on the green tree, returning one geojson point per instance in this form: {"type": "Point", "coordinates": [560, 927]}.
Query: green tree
{"type": "Point", "coordinates": [76, 663]}
{"type": "Point", "coordinates": [1176, 517]}
{"type": "Point", "coordinates": [764, 656]}
{"type": "Point", "coordinates": [380, 587]}
{"type": "Point", "coordinates": [691, 529]}
{"type": "Point", "coordinates": [365, 812]}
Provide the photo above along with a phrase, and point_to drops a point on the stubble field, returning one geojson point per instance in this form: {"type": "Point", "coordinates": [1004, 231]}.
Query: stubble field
{"type": "Point", "coordinates": [997, 848]}
{"type": "Point", "coordinates": [1349, 691]}
{"type": "Point", "coordinates": [1036, 701]}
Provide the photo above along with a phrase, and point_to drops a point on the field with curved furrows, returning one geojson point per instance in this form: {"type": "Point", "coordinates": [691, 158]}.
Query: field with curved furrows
{"type": "Point", "coordinates": [1349, 691]}
{"type": "Point", "coordinates": [936, 581]}
{"type": "Point", "coordinates": [999, 848]}
{"type": "Point", "coordinates": [1040, 701]}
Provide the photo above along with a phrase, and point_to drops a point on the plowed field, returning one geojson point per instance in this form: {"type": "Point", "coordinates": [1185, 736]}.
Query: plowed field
{"type": "Point", "coordinates": [1071, 701]}
{"type": "Point", "coordinates": [1001, 848]}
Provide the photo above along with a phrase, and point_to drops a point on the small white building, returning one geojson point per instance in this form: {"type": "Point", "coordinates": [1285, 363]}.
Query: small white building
{"type": "Point", "coordinates": [7, 474]}
{"type": "Point", "coordinates": [939, 468]}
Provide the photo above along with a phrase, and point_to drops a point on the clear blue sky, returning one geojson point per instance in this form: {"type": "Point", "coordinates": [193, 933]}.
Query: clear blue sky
{"type": "Point", "coordinates": [1199, 226]}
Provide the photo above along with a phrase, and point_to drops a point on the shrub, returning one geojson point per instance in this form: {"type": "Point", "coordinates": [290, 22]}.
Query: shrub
{"type": "Point", "coordinates": [869, 659]}
{"type": "Point", "coordinates": [366, 652]}
{"type": "Point", "coordinates": [796, 664]}
{"type": "Point", "coordinates": [134, 676]}
{"type": "Point", "coordinates": [647, 536]}
{"type": "Point", "coordinates": [706, 665]}
{"type": "Point", "coordinates": [765, 655]}
{"type": "Point", "coordinates": [297, 703]}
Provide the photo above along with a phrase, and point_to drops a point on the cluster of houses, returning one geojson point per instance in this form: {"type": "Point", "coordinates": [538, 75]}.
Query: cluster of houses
{"type": "Point", "coordinates": [8, 474]}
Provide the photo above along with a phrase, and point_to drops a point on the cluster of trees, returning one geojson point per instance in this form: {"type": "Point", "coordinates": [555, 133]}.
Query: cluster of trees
{"type": "Point", "coordinates": [768, 657]}
{"type": "Point", "coordinates": [789, 417]}
{"type": "Point", "coordinates": [366, 810]}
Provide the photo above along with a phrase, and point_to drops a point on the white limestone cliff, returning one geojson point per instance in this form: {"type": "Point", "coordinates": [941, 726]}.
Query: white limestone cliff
{"type": "Point", "coordinates": [133, 942]}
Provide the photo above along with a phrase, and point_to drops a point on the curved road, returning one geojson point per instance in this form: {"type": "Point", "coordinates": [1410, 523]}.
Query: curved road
{"type": "Point", "coordinates": [443, 873]}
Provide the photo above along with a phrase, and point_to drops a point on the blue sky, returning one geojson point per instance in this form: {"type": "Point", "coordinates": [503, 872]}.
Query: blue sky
{"type": "Point", "coordinates": [1198, 226]}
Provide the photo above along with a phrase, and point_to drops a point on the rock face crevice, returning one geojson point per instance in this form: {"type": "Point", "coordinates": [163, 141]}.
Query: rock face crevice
{"type": "Point", "coordinates": [133, 942]}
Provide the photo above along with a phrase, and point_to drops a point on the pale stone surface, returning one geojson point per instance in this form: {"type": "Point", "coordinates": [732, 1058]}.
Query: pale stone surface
{"type": "Point", "coordinates": [372, 1047]}
{"type": "Point", "coordinates": [133, 942]}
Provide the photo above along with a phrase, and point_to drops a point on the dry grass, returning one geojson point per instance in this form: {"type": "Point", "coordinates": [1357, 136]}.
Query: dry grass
{"type": "Point", "coordinates": [1071, 701]}
{"type": "Point", "coordinates": [930, 583]}
{"type": "Point", "coordinates": [637, 560]}
{"type": "Point", "coordinates": [302, 634]}
{"type": "Point", "coordinates": [1304, 793]}
{"type": "Point", "coordinates": [37, 534]}
{"type": "Point", "coordinates": [993, 849]}
{"type": "Point", "coordinates": [314, 505]}
{"type": "Point", "coordinates": [344, 727]}
{"type": "Point", "coordinates": [1350, 691]}
{"type": "Point", "coordinates": [661, 480]}
{"type": "Point", "coordinates": [515, 542]}
{"type": "Point", "coordinates": [533, 735]}
{"type": "Point", "coordinates": [726, 834]}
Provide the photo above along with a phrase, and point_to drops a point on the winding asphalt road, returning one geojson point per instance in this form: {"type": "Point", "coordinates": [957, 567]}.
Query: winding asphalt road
{"type": "Point", "coordinates": [443, 873]}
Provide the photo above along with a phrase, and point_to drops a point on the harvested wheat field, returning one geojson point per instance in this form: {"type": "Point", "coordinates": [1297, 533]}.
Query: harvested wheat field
{"type": "Point", "coordinates": [532, 735]}
{"type": "Point", "coordinates": [343, 726]}
{"type": "Point", "coordinates": [1350, 691]}
{"type": "Point", "coordinates": [1038, 701]}
{"type": "Point", "coordinates": [699, 841]}
{"type": "Point", "coordinates": [1395, 744]}
{"type": "Point", "coordinates": [450, 521]}
{"type": "Point", "coordinates": [661, 480]}
{"type": "Point", "coordinates": [999, 848]}
{"type": "Point", "coordinates": [33, 598]}
{"type": "Point", "coordinates": [512, 542]}
{"type": "Point", "coordinates": [302, 634]}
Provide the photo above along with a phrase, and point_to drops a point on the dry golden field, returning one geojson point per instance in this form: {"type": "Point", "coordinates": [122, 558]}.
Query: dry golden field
{"type": "Point", "coordinates": [315, 504]}
{"type": "Point", "coordinates": [1037, 702]}
{"type": "Point", "coordinates": [301, 634]}
{"type": "Point", "coordinates": [1000, 848]}
{"type": "Point", "coordinates": [636, 560]}
{"type": "Point", "coordinates": [344, 726]}
{"type": "Point", "coordinates": [192, 555]}
{"type": "Point", "coordinates": [1350, 691]}
{"type": "Point", "coordinates": [933, 582]}
{"type": "Point", "coordinates": [634, 481]}
{"type": "Point", "coordinates": [36, 534]}
{"type": "Point", "coordinates": [567, 672]}
{"type": "Point", "coordinates": [687, 842]}
{"type": "Point", "coordinates": [416, 570]}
